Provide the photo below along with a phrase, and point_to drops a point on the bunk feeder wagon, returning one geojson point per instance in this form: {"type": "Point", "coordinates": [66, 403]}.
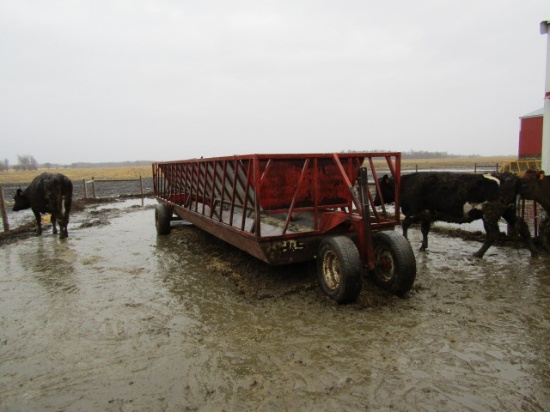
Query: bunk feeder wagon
{"type": "Point", "coordinates": [292, 208]}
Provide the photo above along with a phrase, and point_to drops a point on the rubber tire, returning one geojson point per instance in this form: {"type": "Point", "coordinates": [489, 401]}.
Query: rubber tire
{"type": "Point", "coordinates": [339, 269]}
{"type": "Point", "coordinates": [395, 264]}
{"type": "Point", "coordinates": [163, 217]}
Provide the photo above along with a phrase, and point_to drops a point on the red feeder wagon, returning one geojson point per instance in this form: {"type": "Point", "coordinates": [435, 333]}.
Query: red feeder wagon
{"type": "Point", "coordinates": [293, 208]}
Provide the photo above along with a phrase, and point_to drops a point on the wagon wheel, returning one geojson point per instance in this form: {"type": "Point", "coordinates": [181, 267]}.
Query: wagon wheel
{"type": "Point", "coordinates": [394, 262]}
{"type": "Point", "coordinates": [163, 217]}
{"type": "Point", "coordinates": [339, 269]}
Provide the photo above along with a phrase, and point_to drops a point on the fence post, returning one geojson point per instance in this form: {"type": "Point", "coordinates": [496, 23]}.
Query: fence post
{"type": "Point", "coordinates": [141, 185]}
{"type": "Point", "coordinates": [85, 189]}
{"type": "Point", "coordinates": [3, 208]}
{"type": "Point", "coordinates": [93, 187]}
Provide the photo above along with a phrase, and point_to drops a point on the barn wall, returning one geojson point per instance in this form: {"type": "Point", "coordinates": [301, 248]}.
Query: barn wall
{"type": "Point", "coordinates": [530, 137]}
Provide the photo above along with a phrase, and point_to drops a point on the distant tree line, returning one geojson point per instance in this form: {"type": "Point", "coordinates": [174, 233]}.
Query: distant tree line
{"type": "Point", "coordinates": [418, 154]}
{"type": "Point", "coordinates": [422, 154]}
{"type": "Point", "coordinates": [28, 162]}
{"type": "Point", "coordinates": [4, 165]}
{"type": "Point", "coordinates": [83, 165]}
{"type": "Point", "coordinates": [24, 162]}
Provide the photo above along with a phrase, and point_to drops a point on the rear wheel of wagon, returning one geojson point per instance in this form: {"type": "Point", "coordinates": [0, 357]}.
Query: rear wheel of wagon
{"type": "Point", "coordinates": [163, 217]}
{"type": "Point", "coordinates": [339, 269]}
{"type": "Point", "coordinates": [394, 262]}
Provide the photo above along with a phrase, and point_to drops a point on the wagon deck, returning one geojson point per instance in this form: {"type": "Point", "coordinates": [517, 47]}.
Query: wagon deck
{"type": "Point", "coordinates": [280, 208]}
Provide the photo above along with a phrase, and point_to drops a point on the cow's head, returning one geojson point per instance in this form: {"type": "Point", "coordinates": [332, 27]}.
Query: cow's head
{"type": "Point", "coordinates": [536, 186]}
{"type": "Point", "coordinates": [21, 201]}
{"type": "Point", "coordinates": [387, 191]}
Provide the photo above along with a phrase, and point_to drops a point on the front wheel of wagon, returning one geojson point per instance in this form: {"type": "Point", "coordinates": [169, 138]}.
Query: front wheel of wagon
{"type": "Point", "coordinates": [339, 269]}
{"type": "Point", "coordinates": [394, 262]}
{"type": "Point", "coordinates": [163, 217]}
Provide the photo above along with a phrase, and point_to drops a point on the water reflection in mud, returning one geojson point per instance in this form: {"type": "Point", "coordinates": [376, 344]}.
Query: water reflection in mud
{"type": "Point", "coordinates": [116, 318]}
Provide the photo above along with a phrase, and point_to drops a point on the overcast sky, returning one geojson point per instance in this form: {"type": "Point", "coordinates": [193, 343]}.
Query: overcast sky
{"type": "Point", "coordinates": [114, 80]}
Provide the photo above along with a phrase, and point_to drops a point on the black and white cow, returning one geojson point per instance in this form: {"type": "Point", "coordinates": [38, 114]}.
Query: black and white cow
{"type": "Point", "coordinates": [48, 193]}
{"type": "Point", "coordinates": [457, 198]}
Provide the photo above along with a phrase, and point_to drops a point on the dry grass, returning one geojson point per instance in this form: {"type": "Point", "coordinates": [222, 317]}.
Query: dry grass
{"type": "Point", "coordinates": [16, 177]}
{"type": "Point", "coordinates": [455, 162]}
{"type": "Point", "coordinates": [134, 172]}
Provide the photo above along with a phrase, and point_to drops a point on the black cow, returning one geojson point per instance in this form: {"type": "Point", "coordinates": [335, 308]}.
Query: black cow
{"type": "Point", "coordinates": [457, 198]}
{"type": "Point", "coordinates": [48, 193]}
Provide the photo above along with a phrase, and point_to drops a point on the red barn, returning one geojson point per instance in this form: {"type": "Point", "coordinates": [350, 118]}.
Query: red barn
{"type": "Point", "coordinates": [530, 135]}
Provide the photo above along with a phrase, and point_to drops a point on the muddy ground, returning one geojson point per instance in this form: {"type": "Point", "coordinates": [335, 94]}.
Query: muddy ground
{"type": "Point", "coordinates": [115, 318]}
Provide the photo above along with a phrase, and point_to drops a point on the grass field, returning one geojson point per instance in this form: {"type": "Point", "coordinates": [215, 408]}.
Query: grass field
{"type": "Point", "coordinates": [16, 177]}
{"type": "Point", "coordinates": [25, 176]}
{"type": "Point", "coordinates": [455, 162]}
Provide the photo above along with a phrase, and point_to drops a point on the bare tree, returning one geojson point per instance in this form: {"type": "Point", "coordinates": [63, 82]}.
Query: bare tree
{"type": "Point", "coordinates": [27, 162]}
{"type": "Point", "coordinates": [33, 164]}
{"type": "Point", "coordinates": [21, 162]}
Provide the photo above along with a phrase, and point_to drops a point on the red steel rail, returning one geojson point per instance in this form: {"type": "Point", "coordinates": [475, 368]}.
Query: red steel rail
{"type": "Point", "coordinates": [277, 207]}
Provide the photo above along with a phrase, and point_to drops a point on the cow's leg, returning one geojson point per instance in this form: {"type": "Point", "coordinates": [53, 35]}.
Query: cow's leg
{"type": "Point", "coordinates": [63, 232]}
{"type": "Point", "coordinates": [523, 229]}
{"type": "Point", "coordinates": [38, 222]}
{"type": "Point", "coordinates": [66, 212]}
{"type": "Point", "coordinates": [63, 229]}
{"type": "Point", "coordinates": [54, 223]}
{"type": "Point", "coordinates": [405, 225]}
{"type": "Point", "coordinates": [55, 208]}
{"type": "Point", "coordinates": [425, 229]}
{"type": "Point", "coordinates": [544, 233]}
{"type": "Point", "coordinates": [492, 231]}
{"type": "Point", "coordinates": [62, 221]}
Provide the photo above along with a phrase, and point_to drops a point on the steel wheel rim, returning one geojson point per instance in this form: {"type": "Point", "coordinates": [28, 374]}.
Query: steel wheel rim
{"type": "Point", "coordinates": [385, 265]}
{"type": "Point", "coordinates": [331, 270]}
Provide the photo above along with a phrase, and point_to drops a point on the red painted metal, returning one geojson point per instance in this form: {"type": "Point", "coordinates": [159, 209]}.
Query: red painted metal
{"type": "Point", "coordinates": [530, 137]}
{"type": "Point", "coordinates": [278, 207]}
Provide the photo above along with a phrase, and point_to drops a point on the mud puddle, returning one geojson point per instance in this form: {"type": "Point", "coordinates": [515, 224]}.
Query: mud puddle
{"type": "Point", "coordinates": [115, 318]}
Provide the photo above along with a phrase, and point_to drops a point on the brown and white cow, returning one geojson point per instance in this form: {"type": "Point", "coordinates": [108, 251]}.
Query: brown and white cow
{"type": "Point", "coordinates": [458, 198]}
{"type": "Point", "coordinates": [535, 185]}
{"type": "Point", "coordinates": [48, 193]}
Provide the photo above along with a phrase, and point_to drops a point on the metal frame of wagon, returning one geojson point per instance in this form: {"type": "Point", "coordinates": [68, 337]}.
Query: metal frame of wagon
{"type": "Point", "coordinates": [280, 207]}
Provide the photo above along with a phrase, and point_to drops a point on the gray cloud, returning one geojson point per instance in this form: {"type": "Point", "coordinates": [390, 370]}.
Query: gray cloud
{"type": "Point", "coordinates": [129, 80]}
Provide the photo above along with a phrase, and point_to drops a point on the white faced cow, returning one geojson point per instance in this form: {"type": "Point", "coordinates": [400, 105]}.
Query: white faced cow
{"type": "Point", "coordinates": [48, 193]}
{"type": "Point", "coordinates": [457, 198]}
